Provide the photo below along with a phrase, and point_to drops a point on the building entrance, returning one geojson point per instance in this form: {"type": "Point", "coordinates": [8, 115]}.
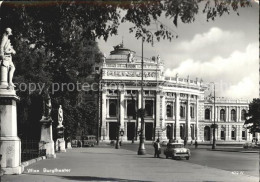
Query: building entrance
{"type": "Point", "coordinates": [169, 131]}
{"type": "Point", "coordinates": [130, 131]}
{"type": "Point", "coordinates": [112, 130]}
{"type": "Point", "coordinates": [207, 133]}
{"type": "Point", "coordinates": [148, 131]}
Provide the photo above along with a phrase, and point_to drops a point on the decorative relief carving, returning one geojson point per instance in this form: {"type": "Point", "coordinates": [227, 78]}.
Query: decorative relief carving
{"type": "Point", "coordinates": [10, 149]}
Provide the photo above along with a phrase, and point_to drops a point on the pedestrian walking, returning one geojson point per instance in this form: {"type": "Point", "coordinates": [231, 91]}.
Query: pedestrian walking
{"type": "Point", "coordinates": [157, 148]}
{"type": "Point", "coordinates": [196, 144]}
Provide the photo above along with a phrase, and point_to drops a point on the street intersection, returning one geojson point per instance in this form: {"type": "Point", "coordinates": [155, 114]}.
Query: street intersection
{"type": "Point", "coordinates": [105, 163]}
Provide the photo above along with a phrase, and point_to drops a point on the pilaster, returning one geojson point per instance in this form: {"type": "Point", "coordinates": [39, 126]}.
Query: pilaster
{"type": "Point", "coordinates": [188, 118]}
{"type": "Point", "coordinates": [197, 120]}
{"type": "Point", "coordinates": [177, 116]}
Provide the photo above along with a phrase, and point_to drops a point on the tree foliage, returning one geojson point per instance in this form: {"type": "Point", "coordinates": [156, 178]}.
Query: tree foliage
{"type": "Point", "coordinates": [55, 41]}
{"type": "Point", "coordinates": [253, 116]}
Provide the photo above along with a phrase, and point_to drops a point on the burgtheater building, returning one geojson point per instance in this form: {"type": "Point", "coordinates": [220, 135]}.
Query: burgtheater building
{"type": "Point", "coordinates": [174, 107]}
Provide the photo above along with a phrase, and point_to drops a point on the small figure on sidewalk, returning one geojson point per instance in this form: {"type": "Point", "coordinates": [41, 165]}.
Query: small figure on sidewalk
{"type": "Point", "coordinates": [196, 144]}
{"type": "Point", "coordinates": [256, 140]}
{"type": "Point", "coordinates": [185, 141]}
{"type": "Point", "coordinates": [157, 148]}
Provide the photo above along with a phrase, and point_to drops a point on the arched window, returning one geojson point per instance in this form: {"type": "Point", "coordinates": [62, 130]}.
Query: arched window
{"type": "Point", "coordinates": [222, 115]}
{"type": "Point", "coordinates": [243, 114]}
{"type": "Point", "coordinates": [169, 110]}
{"type": "Point", "coordinates": [182, 112]}
{"type": "Point", "coordinates": [207, 114]}
{"type": "Point", "coordinates": [112, 109]}
{"type": "Point", "coordinates": [233, 115]}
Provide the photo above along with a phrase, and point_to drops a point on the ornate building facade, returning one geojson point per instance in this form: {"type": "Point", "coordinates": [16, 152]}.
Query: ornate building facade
{"type": "Point", "coordinates": [174, 107]}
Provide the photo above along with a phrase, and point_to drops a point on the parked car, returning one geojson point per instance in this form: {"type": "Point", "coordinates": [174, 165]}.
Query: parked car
{"type": "Point", "coordinates": [89, 141]}
{"type": "Point", "coordinates": [177, 150]}
{"type": "Point", "coordinates": [74, 143]}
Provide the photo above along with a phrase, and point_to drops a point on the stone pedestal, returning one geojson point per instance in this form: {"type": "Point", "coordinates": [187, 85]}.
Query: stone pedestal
{"type": "Point", "coordinates": [60, 145]}
{"type": "Point", "coordinates": [46, 141]}
{"type": "Point", "coordinates": [10, 143]}
{"type": "Point", "coordinates": [69, 145]}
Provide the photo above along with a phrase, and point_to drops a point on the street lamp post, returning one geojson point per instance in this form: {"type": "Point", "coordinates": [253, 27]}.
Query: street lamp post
{"type": "Point", "coordinates": [141, 149]}
{"type": "Point", "coordinates": [118, 119]}
{"type": "Point", "coordinates": [214, 126]}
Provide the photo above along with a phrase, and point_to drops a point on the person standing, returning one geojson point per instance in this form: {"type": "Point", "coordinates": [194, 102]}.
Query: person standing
{"type": "Point", "coordinates": [157, 149]}
{"type": "Point", "coordinates": [196, 144]}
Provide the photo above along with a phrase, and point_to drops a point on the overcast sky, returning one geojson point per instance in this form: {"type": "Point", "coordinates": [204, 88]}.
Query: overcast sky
{"type": "Point", "coordinates": [224, 51]}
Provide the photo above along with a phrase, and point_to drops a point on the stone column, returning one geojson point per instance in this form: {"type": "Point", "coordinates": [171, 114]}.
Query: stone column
{"type": "Point", "coordinates": [188, 118]}
{"type": "Point", "coordinates": [107, 108]}
{"type": "Point", "coordinates": [122, 114]}
{"type": "Point", "coordinates": [197, 119]}
{"type": "Point", "coordinates": [157, 114]}
{"type": "Point", "coordinates": [239, 133]}
{"type": "Point", "coordinates": [104, 114]}
{"type": "Point", "coordinates": [10, 143]}
{"type": "Point", "coordinates": [107, 131]}
{"type": "Point", "coordinates": [219, 133]}
{"type": "Point", "coordinates": [228, 133]}
{"type": "Point", "coordinates": [164, 137]}
{"type": "Point", "coordinates": [217, 113]}
{"type": "Point", "coordinates": [238, 114]}
{"type": "Point", "coordinates": [227, 114]}
{"type": "Point", "coordinates": [177, 116]}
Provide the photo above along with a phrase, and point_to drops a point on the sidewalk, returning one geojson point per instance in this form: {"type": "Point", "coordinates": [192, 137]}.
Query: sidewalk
{"type": "Point", "coordinates": [109, 164]}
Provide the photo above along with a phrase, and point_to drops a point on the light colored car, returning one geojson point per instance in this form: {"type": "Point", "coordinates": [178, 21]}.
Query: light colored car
{"type": "Point", "coordinates": [177, 150]}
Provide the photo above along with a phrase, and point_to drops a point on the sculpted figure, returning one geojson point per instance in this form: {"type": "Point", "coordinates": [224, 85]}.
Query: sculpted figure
{"type": "Point", "coordinates": [158, 59]}
{"type": "Point", "coordinates": [130, 57]}
{"type": "Point", "coordinates": [6, 51]}
{"type": "Point", "coordinates": [60, 116]}
{"type": "Point", "coordinates": [47, 106]}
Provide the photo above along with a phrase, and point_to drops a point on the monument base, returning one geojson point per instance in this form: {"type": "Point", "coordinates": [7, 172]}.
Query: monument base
{"type": "Point", "coordinates": [46, 141]}
{"type": "Point", "coordinates": [69, 145]}
{"type": "Point", "coordinates": [11, 155]}
{"type": "Point", "coordinates": [60, 145]}
{"type": "Point", "coordinates": [49, 147]}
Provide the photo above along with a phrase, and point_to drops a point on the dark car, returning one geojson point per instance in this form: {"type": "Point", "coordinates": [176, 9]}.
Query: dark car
{"type": "Point", "coordinates": [177, 150]}
{"type": "Point", "coordinates": [89, 141]}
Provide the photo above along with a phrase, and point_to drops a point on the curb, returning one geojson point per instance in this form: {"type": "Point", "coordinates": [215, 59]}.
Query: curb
{"type": "Point", "coordinates": [29, 162]}
{"type": "Point", "coordinates": [234, 151]}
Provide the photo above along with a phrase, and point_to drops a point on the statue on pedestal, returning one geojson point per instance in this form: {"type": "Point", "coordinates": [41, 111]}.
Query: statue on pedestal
{"type": "Point", "coordinates": [6, 51]}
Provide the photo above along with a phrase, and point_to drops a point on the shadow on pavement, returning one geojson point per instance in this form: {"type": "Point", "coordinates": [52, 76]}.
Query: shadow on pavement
{"type": "Point", "coordinates": [105, 153]}
{"type": "Point", "coordinates": [92, 178]}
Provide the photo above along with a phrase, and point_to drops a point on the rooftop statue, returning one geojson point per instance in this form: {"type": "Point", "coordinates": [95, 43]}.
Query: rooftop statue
{"type": "Point", "coordinates": [6, 52]}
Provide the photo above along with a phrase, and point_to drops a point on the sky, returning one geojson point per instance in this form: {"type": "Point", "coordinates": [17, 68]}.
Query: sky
{"type": "Point", "coordinates": [224, 51]}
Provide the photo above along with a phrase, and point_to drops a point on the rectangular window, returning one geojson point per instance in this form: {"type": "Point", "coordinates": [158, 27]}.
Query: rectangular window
{"type": "Point", "coordinates": [243, 135]}
{"type": "Point", "coordinates": [192, 111]}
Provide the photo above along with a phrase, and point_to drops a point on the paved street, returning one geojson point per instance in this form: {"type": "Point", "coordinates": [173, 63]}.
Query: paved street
{"type": "Point", "coordinates": [109, 164]}
{"type": "Point", "coordinates": [235, 162]}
